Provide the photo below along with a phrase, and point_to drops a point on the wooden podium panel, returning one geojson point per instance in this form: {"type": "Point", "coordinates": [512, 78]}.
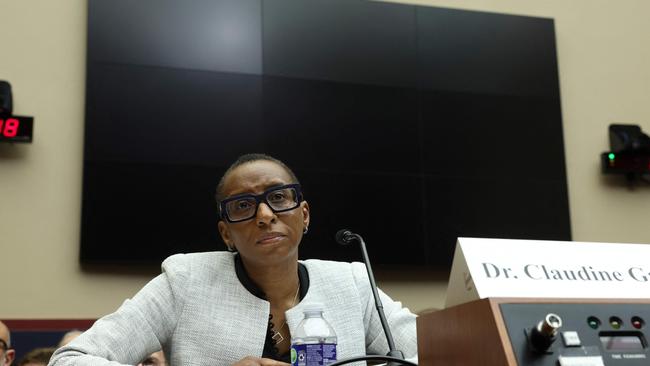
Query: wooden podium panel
{"type": "Point", "coordinates": [464, 335]}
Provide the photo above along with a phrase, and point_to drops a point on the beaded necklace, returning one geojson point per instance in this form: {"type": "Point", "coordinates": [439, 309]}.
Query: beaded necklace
{"type": "Point", "coordinates": [277, 336]}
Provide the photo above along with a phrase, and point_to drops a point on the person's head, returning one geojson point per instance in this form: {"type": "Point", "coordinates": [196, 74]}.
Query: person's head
{"type": "Point", "coordinates": [154, 359]}
{"type": "Point", "coordinates": [6, 353]}
{"type": "Point", "coordinates": [37, 357]}
{"type": "Point", "coordinates": [262, 212]}
{"type": "Point", "coordinates": [68, 337]}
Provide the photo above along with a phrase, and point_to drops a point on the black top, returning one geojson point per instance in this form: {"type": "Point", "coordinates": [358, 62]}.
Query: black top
{"type": "Point", "coordinates": [270, 350]}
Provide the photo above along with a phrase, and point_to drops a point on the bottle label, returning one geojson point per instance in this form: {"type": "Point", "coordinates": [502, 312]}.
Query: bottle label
{"type": "Point", "coordinates": [314, 354]}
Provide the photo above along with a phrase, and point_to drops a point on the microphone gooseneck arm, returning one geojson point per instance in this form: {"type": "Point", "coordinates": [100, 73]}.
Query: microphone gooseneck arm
{"type": "Point", "coordinates": [346, 237]}
{"type": "Point", "coordinates": [391, 360]}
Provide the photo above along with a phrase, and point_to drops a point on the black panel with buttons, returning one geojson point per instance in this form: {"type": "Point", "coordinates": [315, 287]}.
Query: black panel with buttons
{"type": "Point", "coordinates": [578, 334]}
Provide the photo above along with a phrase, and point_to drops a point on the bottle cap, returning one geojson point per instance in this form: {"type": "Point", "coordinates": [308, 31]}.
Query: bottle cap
{"type": "Point", "coordinates": [312, 307]}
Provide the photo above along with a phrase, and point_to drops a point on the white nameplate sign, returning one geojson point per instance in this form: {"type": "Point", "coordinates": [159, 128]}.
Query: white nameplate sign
{"type": "Point", "coordinates": [548, 269]}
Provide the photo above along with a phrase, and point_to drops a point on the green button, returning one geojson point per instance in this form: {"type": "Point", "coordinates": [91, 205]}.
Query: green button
{"type": "Point", "coordinates": [593, 322]}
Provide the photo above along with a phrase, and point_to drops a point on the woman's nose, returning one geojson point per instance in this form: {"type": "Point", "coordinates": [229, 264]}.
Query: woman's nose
{"type": "Point", "coordinates": [264, 214]}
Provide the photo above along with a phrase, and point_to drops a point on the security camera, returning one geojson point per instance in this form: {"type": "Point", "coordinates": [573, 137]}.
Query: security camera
{"type": "Point", "coordinates": [6, 105]}
{"type": "Point", "coordinates": [629, 152]}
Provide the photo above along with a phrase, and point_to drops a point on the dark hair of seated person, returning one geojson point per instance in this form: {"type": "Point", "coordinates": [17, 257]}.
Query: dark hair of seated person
{"type": "Point", "coordinates": [37, 356]}
{"type": "Point", "coordinates": [249, 158]}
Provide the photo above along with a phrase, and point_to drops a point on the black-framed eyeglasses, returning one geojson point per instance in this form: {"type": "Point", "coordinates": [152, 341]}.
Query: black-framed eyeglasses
{"type": "Point", "coordinates": [244, 207]}
{"type": "Point", "coordinates": [3, 345]}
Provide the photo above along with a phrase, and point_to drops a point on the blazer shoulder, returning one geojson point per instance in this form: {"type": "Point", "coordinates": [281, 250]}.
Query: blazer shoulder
{"type": "Point", "coordinates": [196, 264]}
{"type": "Point", "coordinates": [337, 270]}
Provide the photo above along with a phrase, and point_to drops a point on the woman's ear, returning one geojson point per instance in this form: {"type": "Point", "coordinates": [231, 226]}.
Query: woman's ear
{"type": "Point", "coordinates": [225, 234]}
{"type": "Point", "coordinates": [305, 214]}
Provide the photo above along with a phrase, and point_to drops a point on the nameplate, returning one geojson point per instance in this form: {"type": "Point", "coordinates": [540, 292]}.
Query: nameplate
{"type": "Point", "coordinates": [547, 269]}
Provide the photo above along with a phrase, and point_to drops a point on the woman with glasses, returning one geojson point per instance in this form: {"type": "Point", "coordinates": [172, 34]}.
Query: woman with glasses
{"type": "Point", "coordinates": [239, 307]}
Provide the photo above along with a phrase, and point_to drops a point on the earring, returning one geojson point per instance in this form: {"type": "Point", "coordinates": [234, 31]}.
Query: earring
{"type": "Point", "coordinates": [305, 230]}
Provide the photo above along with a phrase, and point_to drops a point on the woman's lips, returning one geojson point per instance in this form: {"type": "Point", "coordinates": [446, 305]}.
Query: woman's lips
{"type": "Point", "coordinates": [270, 238]}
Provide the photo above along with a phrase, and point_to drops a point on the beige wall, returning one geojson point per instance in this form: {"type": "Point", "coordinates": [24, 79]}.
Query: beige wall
{"type": "Point", "coordinates": [604, 62]}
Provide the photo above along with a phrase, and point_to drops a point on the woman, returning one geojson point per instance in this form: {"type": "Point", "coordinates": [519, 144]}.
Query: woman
{"type": "Point", "coordinates": [238, 307]}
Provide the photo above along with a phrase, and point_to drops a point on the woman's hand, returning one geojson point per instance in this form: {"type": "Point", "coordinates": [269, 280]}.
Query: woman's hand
{"type": "Point", "coordinates": [258, 361]}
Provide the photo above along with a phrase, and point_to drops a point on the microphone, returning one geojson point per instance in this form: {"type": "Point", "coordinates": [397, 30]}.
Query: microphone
{"type": "Point", "coordinates": [345, 237]}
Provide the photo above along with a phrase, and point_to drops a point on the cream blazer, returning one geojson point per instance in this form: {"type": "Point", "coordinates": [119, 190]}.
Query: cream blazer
{"type": "Point", "coordinates": [199, 313]}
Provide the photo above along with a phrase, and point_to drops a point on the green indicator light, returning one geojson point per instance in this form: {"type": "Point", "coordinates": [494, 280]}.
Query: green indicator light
{"type": "Point", "coordinates": [593, 322]}
{"type": "Point", "coordinates": [611, 156]}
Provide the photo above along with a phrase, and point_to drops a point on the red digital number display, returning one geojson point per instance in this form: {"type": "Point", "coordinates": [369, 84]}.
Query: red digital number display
{"type": "Point", "coordinates": [16, 129]}
{"type": "Point", "coordinates": [9, 127]}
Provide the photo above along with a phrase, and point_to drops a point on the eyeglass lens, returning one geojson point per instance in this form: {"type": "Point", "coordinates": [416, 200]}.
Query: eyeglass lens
{"type": "Point", "coordinates": [281, 199]}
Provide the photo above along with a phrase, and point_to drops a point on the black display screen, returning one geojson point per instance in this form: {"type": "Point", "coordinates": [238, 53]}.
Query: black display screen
{"type": "Point", "coordinates": [622, 342]}
{"type": "Point", "coordinates": [409, 125]}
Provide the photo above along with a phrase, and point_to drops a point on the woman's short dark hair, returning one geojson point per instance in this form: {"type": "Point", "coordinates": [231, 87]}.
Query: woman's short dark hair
{"type": "Point", "coordinates": [249, 158]}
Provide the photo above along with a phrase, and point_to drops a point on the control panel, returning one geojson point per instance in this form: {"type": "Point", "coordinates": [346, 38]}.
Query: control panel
{"type": "Point", "coordinates": [585, 334]}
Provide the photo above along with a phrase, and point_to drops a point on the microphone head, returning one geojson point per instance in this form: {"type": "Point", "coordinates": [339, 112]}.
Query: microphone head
{"type": "Point", "coordinates": [344, 236]}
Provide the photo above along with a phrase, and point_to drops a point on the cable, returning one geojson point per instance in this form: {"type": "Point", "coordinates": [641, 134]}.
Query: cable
{"type": "Point", "coordinates": [373, 358]}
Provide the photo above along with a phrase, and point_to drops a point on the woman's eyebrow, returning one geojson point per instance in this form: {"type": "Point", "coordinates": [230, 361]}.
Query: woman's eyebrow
{"type": "Point", "coordinates": [265, 188]}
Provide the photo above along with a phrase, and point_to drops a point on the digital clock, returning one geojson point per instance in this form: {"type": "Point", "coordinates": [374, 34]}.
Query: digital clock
{"type": "Point", "coordinates": [16, 129]}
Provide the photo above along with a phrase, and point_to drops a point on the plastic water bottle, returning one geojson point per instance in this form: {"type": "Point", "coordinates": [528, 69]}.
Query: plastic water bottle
{"type": "Point", "coordinates": [314, 341]}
